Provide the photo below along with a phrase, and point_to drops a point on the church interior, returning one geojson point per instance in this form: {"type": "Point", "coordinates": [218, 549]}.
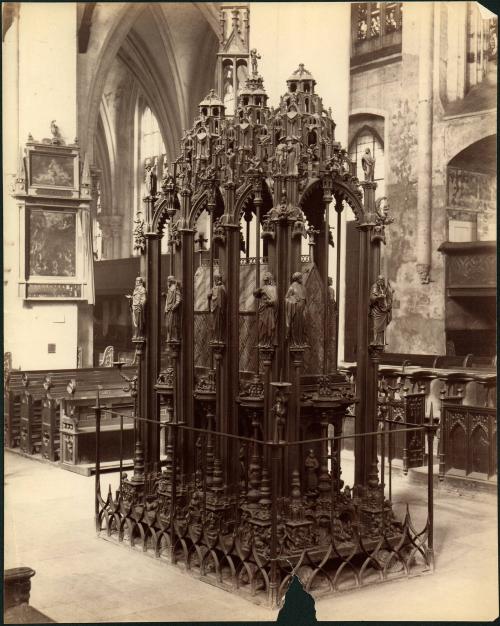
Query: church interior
{"type": "Point", "coordinates": [249, 310]}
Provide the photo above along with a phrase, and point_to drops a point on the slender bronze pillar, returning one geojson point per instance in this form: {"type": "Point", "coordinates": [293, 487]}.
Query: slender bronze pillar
{"type": "Point", "coordinates": [365, 472]}
{"type": "Point", "coordinates": [151, 361]}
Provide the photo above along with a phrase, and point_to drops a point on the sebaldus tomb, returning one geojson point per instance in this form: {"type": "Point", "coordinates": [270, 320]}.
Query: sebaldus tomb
{"type": "Point", "coordinates": [238, 478]}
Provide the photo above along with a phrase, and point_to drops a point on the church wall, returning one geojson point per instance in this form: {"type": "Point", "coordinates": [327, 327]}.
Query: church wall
{"type": "Point", "coordinates": [41, 87]}
{"type": "Point", "coordinates": [390, 88]}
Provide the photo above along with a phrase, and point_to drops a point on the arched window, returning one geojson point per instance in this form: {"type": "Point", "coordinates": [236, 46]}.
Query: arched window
{"type": "Point", "coordinates": [149, 146]}
{"type": "Point", "coordinates": [367, 138]}
{"type": "Point", "coordinates": [151, 142]}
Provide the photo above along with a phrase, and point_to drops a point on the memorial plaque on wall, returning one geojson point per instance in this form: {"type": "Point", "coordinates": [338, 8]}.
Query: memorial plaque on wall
{"type": "Point", "coordinates": [53, 290]}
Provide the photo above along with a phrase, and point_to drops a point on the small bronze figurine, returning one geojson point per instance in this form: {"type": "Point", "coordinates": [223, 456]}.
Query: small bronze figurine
{"type": "Point", "coordinates": [218, 299]}
{"type": "Point", "coordinates": [312, 465]}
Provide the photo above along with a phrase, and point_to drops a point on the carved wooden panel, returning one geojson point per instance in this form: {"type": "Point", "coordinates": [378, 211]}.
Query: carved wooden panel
{"type": "Point", "coordinates": [469, 440]}
{"type": "Point", "coordinates": [415, 440]}
{"type": "Point", "coordinates": [471, 270]}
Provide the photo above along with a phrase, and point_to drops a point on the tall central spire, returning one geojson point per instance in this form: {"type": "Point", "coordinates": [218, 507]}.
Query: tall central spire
{"type": "Point", "coordinates": [234, 56]}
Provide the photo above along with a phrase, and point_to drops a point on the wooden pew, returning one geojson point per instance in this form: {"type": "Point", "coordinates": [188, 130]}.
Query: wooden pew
{"type": "Point", "coordinates": [78, 427]}
{"type": "Point", "coordinates": [30, 439]}
{"type": "Point", "coordinates": [31, 405]}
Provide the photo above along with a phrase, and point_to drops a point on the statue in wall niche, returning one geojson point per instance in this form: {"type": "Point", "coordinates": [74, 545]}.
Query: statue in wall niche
{"type": "Point", "coordinates": [380, 309]}
{"type": "Point", "coordinates": [218, 298]}
{"type": "Point", "coordinates": [312, 465]}
{"type": "Point", "coordinates": [295, 306]}
{"type": "Point", "coordinates": [137, 305]}
{"type": "Point", "coordinates": [368, 165]}
{"type": "Point", "coordinates": [173, 309]}
{"type": "Point", "coordinates": [268, 310]}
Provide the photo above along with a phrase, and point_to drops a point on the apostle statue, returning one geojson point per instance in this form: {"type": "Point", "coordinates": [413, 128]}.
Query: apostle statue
{"type": "Point", "coordinates": [380, 309]}
{"type": "Point", "coordinates": [368, 165]}
{"type": "Point", "coordinates": [173, 309]}
{"type": "Point", "coordinates": [137, 305]}
{"type": "Point", "coordinates": [218, 298]}
{"type": "Point", "coordinates": [295, 307]}
{"type": "Point", "coordinates": [268, 310]}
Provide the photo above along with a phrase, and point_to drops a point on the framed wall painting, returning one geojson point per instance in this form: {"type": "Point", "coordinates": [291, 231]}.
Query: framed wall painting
{"type": "Point", "coordinates": [52, 169]}
{"type": "Point", "coordinates": [51, 243]}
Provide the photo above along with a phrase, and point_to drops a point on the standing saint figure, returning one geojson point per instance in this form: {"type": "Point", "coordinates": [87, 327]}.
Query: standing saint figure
{"type": "Point", "coordinates": [380, 309]}
{"type": "Point", "coordinates": [268, 310]}
{"type": "Point", "coordinates": [280, 155]}
{"type": "Point", "coordinates": [218, 297]}
{"type": "Point", "coordinates": [295, 311]}
{"type": "Point", "coordinates": [293, 156]}
{"type": "Point", "coordinates": [137, 305]}
{"type": "Point", "coordinates": [230, 163]}
{"type": "Point", "coordinates": [173, 309]}
{"type": "Point", "coordinates": [368, 165]}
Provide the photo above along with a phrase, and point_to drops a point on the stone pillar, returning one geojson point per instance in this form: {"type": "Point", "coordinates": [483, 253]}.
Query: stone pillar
{"type": "Point", "coordinates": [424, 154]}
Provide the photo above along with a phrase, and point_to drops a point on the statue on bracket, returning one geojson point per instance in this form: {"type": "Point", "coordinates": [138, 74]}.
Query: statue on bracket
{"type": "Point", "coordinates": [368, 165]}
{"type": "Point", "coordinates": [218, 298]}
{"type": "Point", "coordinates": [137, 305]}
{"type": "Point", "coordinates": [380, 309]}
{"type": "Point", "coordinates": [173, 309]}
{"type": "Point", "coordinates": [268, 310]}
{"type": "Point", "coordinates": [295, 307]}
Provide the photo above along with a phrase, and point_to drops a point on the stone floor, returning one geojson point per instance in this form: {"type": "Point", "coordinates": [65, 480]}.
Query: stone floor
{"type": "Point", "coordinates": [79, 578]}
